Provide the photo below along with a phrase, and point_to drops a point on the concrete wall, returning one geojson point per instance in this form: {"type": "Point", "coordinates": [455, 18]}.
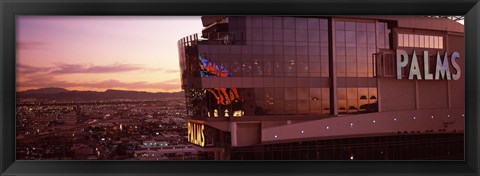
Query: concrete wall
{"type": "Point", "coordinates": [250, 134]}
{"type": "Point", "coordinates": [414, 94]}
{"type": "Point", "coordinates": [382, 123]}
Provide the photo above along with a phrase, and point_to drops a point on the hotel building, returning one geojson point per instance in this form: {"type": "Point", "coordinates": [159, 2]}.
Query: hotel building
{"type": "Point", "coordinates": [325, 88]}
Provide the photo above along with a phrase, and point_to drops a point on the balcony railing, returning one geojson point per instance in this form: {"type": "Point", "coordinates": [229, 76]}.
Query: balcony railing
{"type": "Point", "coordinates": [222, 38]}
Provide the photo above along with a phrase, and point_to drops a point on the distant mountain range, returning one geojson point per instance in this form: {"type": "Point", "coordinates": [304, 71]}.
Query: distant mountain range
{"type": "Point", "coordinates": [54, 93]}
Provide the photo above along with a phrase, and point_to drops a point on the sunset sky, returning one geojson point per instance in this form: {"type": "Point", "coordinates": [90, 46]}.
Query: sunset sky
{"type": "Point", "coordinates": [100, 53]}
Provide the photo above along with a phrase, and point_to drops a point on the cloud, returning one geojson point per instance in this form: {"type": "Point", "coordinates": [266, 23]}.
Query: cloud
{"type": "Point", "coordinates": [132, 85]}
{"type": "Point", "coordinates": [106, 84]}
{"type": "Point", "coordinates": [27, 69]}
{"type": "Point", "coordinates": [38, 77]}
{"type": "Point", "coordinates": [172, 71]}
{"type": "Point", "coordinates": [30, 45]}
{"type": "Point", "coordinates": [87, 69]}
{"type": "Point", "coordinates": [76, 68]}
{"type": "Point", "coordinates": [172, 81]}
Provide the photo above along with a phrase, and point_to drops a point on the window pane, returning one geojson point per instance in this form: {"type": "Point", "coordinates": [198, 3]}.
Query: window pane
{"type": "Point", "coordinates": [342, 93]}
{"type": "Point", "coordinates": [350, 26]}
{"type": "Point", "coordinates": [314, 52]}
{"type": "Point", "coordinates": [315, 94]}
{"type": "Point", "coordinates": [435, 41]}
{"type": "Point", "coordinates": [315, 106]}
{"type": "Point", "coordinates": [324, 24]}
{"type": "Point", "coordinates": [440, 42]}
{"type": "Point", "coordinates": [302, 67]}
{"type": "Point", "coordinates": [313, 23]}
{"type": "Point", "coordinates": [280, 94]}
{"type": "Point", "coordinates": [325, 93]}
{"type": "Point", "coordinates": [351, 69]}
{"type": "Point", "coordinates": [341, 69]}
{"type": "Point", "coordinates": [301, 35]}
{"type": "Point", "coordinates": [400, 39]}
{"type": "Point", "coordinates": [291, 106]}
{"type": "Point", "coordinates": [278, 34]}
{"type": "Point", "coordinates": [362, 69]}
{"type": "Point", "coordinates": [324, 69]}
{"type": "Point", "coordinates": [363, 93]}
{"type": "Point", "coordinates": [303, 93]}
{"type": "Point", "coordinates": [301, 23]}
{"type": "Point", "coordinates": [267, 22]}
{"type": "Point", "coordinates": [303, 107]}
{"type": "Point", "coordinates": [340, 51]}
{"type": "Point", "coordinates": [372, 95]}
{"type": "Point", "coordinates": [325, 107]}
{"type": "Point", "coordinates": [371, 37]}
{"type": "Point", "coordinates": [339, 25]}
{"type": "Point", "coordinates": [278, 22]}
{"type": "Point", "coordinates": [289, 22]}
{"type": "Point", "coordinates": [405, 40]}
{"type": "Point", "coordinates": [313, 36]}
{"type": "Point", "coordinates": [324, 36]}
{"type": "Point", "coordinates": [352, 105]}
{"type": "Point", "coordinates": [427, 41]}
{"type": "Point", "coordinates": [289, 35]}
{"type": "Point", "coordinates": [422, 41]}
{"type": "Point", "coordinates": [351, 51]}
{"type": "Point", "coordinates": [350, 37]}
{"type": "Point", "coordinates": [279, 107]}
{"type": "Point", "coordinates": [290, 69]}
{"type": "Point", "coordinates": [411, 40]}
{"type": "Point", "coordinates": [267, 34]}
{"type": "Point", "coordinates": [340, 36]}
{"type": "Point", "coordinates": [257, 22]}
{"type": "Point", "coordinates": [432, 42]}
{"type": "Point", "coordinates": [362, 37]}
{"type": "Point", "coordinates": [257, 34]}
{"type": "Point", "coordinates": [361, 27]}
{"type": "Point", "coordinates": [342, 106]}
{"type": "Point", "coordinates": [417, 40]}
{"type": "Point", "coordinates": [352, 93]}
{"type": "Point", "coordinates": [371, 27]}
{"type": "Point", "coordinates": [290, 93]}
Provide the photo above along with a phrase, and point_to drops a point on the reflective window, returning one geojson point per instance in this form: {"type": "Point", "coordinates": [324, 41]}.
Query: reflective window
{"type": "Point", "coordinates": [352, 54]}
{"type": "Point", "coordinates": [313, 23]}
{"type": "Point", "coordinates": [420, 41]}
{"type": "Point", "coordinates": [271, 74]}
{"type": "Point", "coordinates": [301, 23]}
{"type": "Point", "coordinates": [357, 100]}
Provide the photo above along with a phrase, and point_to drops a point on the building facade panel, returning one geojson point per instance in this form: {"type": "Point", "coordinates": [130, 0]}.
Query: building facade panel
{"type": "Point", "coordinates": [284, 76]}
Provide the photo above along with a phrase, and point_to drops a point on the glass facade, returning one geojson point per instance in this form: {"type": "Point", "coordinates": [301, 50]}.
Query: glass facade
{"type": "Point", "coordinates": [355, 45]}
{"type": "Point", "coordinates": [399, 147]}
{"type": "Point", "coordinates": [282, 67]}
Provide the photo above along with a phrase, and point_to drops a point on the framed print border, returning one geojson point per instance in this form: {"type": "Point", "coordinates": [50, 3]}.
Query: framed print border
{"type": "Point", "coordinates": [9, 9]}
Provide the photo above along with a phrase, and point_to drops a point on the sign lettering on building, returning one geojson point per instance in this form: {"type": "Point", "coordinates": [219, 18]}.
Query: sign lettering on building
{"type": "Point", "coordinates": [196, 133]}
{"type": "Point", "coordinates": [442, 67]}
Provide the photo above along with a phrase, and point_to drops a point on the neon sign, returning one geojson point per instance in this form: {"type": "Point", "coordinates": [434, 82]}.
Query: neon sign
{"type": "Point", "coordinates": [196, 134]}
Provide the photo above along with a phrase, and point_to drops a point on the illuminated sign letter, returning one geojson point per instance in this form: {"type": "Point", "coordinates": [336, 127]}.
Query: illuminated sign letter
{"type": "Point", "coordinates": [414, 69]}
{"type": "Point", "coordinates": [401, 63]}
{"type": "Point", "coordinates": [426, 66]}
{"type": "Point", "coordinates": [455, 56]}
{"type": "Point", "coordinates": [442, 69]}
{"type": "Point", "coordinates": [196, 133]}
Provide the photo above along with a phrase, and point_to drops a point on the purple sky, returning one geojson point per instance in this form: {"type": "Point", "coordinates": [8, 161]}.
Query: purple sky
{"type": "Point", "coordinates": [99, 53]}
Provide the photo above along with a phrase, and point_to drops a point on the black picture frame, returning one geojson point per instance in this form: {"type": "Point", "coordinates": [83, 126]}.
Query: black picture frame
{"type": "Point", "coordinates": [9, 9]}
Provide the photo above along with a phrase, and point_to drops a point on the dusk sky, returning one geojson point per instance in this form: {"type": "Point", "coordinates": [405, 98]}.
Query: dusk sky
{"type": "Point", "coordinates": [100, 53]}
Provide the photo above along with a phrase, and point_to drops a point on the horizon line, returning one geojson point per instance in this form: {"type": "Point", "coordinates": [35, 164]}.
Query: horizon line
{"type": "Point", "coordinates": [96, 90]}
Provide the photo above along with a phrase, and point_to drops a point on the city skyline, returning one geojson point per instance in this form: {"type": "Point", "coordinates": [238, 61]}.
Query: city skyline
{"type": "Point", "coordinates": [100, 53]}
